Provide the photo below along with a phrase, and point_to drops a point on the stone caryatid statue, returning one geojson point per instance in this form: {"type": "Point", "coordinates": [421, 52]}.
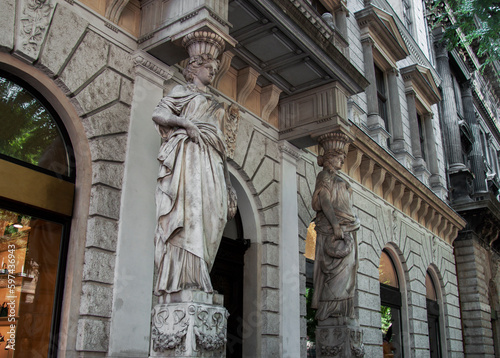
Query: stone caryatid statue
{"type": "Point", "coordinates": [194, 200]}
{"type": "Point", "coordinates": [193, 188]}
{"type": "Point", "coordinates": [336, 260]}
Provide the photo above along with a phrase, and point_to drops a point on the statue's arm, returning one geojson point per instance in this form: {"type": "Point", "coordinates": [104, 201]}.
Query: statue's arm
{"type": "Point", "coordinates": [329, 212]}
{"type": "Point", "coordinates": [165, 118]}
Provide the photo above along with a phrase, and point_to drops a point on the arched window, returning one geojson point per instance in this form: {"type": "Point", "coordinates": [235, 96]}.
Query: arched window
{"type": "Point", "coordinates": [390, 297]}
{"type": "Point", "coordinates": [36, 202]}
{"type": "Point", "coordinates": [433, 317]}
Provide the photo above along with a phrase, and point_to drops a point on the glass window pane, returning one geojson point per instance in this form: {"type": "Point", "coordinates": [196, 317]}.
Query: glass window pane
{"type": "Point", "coordinates": [387, 272]}
{"type": "Point", "coordinates": [29, 257]}
{"type": "Point", "coordinates": [27, 130]}
{"type": "Point", "coordinates": [431, 290]}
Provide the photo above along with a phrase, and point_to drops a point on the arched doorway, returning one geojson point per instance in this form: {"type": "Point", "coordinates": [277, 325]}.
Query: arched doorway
{"type": "Point", "coordinates": [36, 202]}
{"type": "Point", "coordinates": [227, 277]}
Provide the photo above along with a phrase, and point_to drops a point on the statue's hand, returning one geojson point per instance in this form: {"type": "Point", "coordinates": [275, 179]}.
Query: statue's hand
{"type": "Point", "coordinates": [337, 231]}
{"type": "Point", "coordinates": [193, 132]}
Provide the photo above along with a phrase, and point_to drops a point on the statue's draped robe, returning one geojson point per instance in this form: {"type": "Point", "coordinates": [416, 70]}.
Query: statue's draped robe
{"type": "Point", "coordinates": [191, 194]}
{"type": "Point", "coordinates": [334, 277]}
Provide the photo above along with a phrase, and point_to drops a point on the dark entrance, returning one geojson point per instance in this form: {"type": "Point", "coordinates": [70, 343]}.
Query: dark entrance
{"type": "Point", "coordinates": [227, 279]}
{"type": "Point", "coordinates": [433, 323]}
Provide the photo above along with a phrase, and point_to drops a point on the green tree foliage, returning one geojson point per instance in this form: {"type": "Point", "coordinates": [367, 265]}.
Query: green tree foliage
{"type": "Point", "coordinates": [473, 23]}
{"type": "Point", "coordinates": [386, 317]}
{"type": "Point", "coordinates": [310, 316]}
{"type": "Point", "coordinates": [26, 127]}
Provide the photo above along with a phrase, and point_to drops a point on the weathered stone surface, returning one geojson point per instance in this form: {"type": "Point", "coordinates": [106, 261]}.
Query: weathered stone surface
{"type": "Point", "coordinates": [244, 135]}
{"type": "Point", "coordinates": [112, 120]}
{"type": "Point", "coordinates": [270, 195]}
{"type": "Point", "coordinates": [65, 31]}
{"type": "Point", "coordinates": [100, 92]}
{"type": "Point", "coordinates": [32, 24]}
{"type": "Point", "coordinates": [121, 61]}
{"type": "Point", "coordinates": [255, 153]}
{"type": "Point", "coordinates": [270, 346]}
{"type": "Point", "coordinates": [7, 18]}
{"type": "Point", "coordinates": [99, 266]}
{"type": "Point", "coordinates": [270, 323]}
{"type": "Point", "coordinates": [264, 175]}
{"type": "Point", "coordinates": [89, 58]}
{"type": "Point", "coordinates": [270, 234]}
{"type": "Point", "coordinates": [271, 215]}
{"type": "Point", "coordinates": [270, 300]}
{"type": "Point", "coordinates": [102, 233]}
{"type": "Point", "coordinates": [96, 299]}
{"type": "Point", "coordinates": [270, 276]}
{"type": "Point", "coordinates": [93, 335]}
{"type": "Point", "coordinates": [105, 201]}
{"type": "Point", "coordinates": [109, 148]}
{"type": "Point", "coordinates": [108, 173]}
{"type": "Point", "coordinates": [270, 254]}
{"type": "Point", "coordinates": [126, 91]}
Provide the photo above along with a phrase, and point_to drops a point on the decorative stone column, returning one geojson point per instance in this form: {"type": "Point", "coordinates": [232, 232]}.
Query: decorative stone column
{"type": "Point", "coordinates": [476, 153]}
{"type": "Point", "coordinates": [338, 333]}
{"type": "Point", "coordinates": [449, 110]}
{"type": "Point", "coordinates": [461, 179]}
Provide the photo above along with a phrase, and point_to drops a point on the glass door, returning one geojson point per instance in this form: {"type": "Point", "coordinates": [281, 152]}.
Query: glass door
{"type": "Point", "coordinates": [30, 250]}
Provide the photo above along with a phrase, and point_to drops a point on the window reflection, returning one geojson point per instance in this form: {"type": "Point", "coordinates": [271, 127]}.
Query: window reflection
{"type": "Point", "coordinates": [29, 255]}
{"type": "Point", "coordinates": [27, 130]}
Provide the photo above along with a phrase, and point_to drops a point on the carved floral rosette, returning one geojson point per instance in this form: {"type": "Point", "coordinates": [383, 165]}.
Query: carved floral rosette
{"type": "Point", "coordinates": [339, 342]}
{"type": "Point", "coordinates": [188, 329]}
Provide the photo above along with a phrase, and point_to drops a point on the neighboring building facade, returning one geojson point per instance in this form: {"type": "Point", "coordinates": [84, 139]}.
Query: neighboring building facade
{"type": "Point", "coordinates": [85, 76]}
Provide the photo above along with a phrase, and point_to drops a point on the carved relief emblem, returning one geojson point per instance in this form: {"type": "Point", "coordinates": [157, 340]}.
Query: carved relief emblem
{"type": "Point", "coordinates": [230, 128]}
{"type": "Point", "coordinates": [35, 20]}
{"type": "Point", "coordinates": [176, 326]}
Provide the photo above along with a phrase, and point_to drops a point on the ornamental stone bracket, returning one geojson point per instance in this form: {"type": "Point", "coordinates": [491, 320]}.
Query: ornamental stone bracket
{"type": "Point", "coordinates": [370, 165]}
{"type": "Point", "coordinates": [189, 324]}
{"type": "Point", "coordinates": [309, 114]}
{"type": "Point", "coordinates": [163, 27]}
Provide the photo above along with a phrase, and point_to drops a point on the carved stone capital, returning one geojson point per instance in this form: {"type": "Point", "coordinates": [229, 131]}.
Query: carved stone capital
{"type": "Point", "coordinates": [203, 42]}
{"type": "Point", "coordinates": [289, 149]}
{"type": "Point", "coordinates": [150, 64]}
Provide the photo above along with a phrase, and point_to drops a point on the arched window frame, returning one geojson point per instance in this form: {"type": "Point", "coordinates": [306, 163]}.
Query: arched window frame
{"type": "Point", "coordinates": [70, 311]}
{"type": "Point", "coordinates": [397, 260]}
{"type": "Point", "coordinates": [439, 288]}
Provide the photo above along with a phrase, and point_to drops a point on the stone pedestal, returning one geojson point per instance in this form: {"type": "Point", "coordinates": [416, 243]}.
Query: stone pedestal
{"type": "Point", "coordinates": [339, 341]}
{"type": "Point", "coordinates": [461, 183]}
{"type": "Point", "coordinates": [189, 324]}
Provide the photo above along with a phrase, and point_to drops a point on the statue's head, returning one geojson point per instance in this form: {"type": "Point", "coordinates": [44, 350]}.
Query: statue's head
{"type": "Point", "coordinates": [335, 146]}
{"type": "Point", "coordinates": [203, 67]}
{"type": "Point", "coordinates": [332, 160]}
{"type": "Point", "coordinates": [203, 48]}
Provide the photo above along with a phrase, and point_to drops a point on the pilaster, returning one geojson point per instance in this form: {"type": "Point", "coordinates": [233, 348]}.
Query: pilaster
{"type": "Point", "coordinates": [132, 297]}
{"type": "Point", "coordinates": [289, 253]}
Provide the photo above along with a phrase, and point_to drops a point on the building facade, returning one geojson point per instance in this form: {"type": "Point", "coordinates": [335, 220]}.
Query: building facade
{"type": "Point", "coordinates": [80, 81]}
